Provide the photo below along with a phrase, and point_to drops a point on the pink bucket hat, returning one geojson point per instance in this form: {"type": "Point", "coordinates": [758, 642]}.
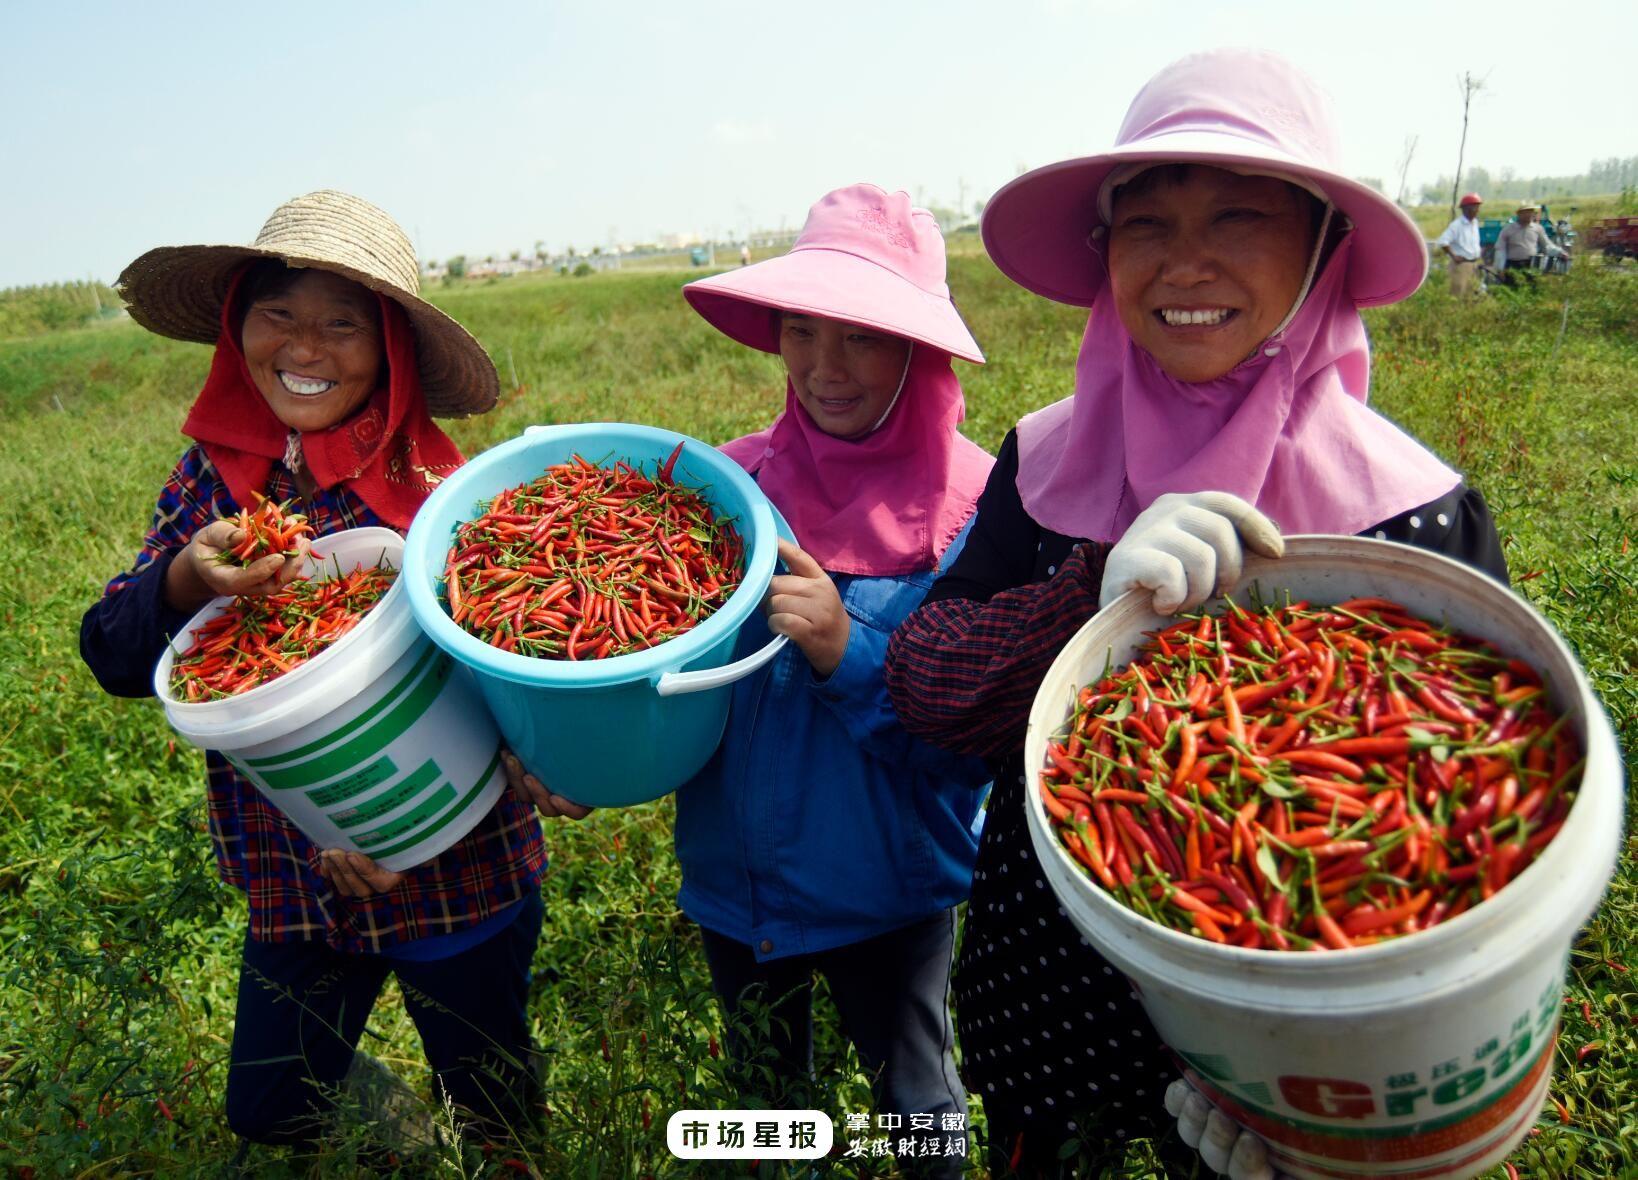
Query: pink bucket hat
{"type": "Point", "coordinates": [864, 255]}
{"type": "Point", "coordinates": [1243, 110]}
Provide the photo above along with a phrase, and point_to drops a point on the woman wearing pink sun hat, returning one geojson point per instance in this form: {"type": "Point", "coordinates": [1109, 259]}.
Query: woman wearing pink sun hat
{"type": "Point", "coordinates": [1221, 387]}
{"type": "Point", "coordinates": [822, 838]}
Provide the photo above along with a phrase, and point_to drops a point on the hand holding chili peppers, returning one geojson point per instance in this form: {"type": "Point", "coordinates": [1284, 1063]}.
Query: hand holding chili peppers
{"type": "Point", "coordinates": [353, 874]}
{"type": "Point", "coordinates": [531, 788]}
{"type": "Point", "coordinates": [268, 530]}
{"type": "Point", "coordinates": [804, 605]}
{"type": "Point", "coordinates": [198, 574]}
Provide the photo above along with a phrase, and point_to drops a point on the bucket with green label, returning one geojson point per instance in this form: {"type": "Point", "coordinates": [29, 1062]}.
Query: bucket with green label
{"type": "Point", "coordinates": [380, 744]}
{"type": "Point", "coordinates": [1421, 1057]}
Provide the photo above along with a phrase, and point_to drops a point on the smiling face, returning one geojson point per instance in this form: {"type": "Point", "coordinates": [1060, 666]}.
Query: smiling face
{"type": "Point", "coordinates": [844, 375]}
{"type": "Point", "coordinates": [1204, 264]}
{"type": "Point", "coordinates": [313, 346]}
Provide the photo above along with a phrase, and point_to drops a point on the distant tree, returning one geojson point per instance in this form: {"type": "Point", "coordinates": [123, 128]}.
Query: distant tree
{"type": "Point", "coordinates": [516, 254]}
{"type": "Point", "coordinates": [540, 250]}
{"type": "Point", "coordinates": [1405, 158]}
{"type": "Point", "coordinates": [456, 267]}
{"type": "Point", "coordinates": [1470, 86]}
{"type": "Point", "coordinates": [582, 270]}
{"type": "Point", "coordinates": [1372, 182]}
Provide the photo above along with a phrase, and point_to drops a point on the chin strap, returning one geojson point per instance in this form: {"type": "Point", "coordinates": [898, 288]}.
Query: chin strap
{"type": "Point", "coordinates": [903, 377]}
{"type": "Point", "coordinates": [1308, 275]}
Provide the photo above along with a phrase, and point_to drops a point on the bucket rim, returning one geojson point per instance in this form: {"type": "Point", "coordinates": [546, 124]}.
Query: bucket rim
{"type": "Point", "coordinates": [1601, 748]}
{"type": "Point", "coordinates": [427, 547]}
{"type": "Point", "coordinates": [201, 713]}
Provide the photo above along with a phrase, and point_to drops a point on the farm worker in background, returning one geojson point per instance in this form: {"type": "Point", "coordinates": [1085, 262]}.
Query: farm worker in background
{"type": "Point", "coordinates": [327, 366]}
{"type": "Point", "coordinates": [1520, 241]}
{"type": "Point", "coordinates": [1460, 242]}
{"type": "Point", "coordinates": [821, 837]}
{"type": "Point", "coordinates": [745, 254]}
{"type": "Point", "coordinates": [1221, 387]}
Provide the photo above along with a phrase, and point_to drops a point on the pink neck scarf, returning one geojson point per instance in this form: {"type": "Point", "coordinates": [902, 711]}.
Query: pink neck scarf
{"type": "Point", "coordinates": [1287, 430]}
{"type": "Point", "coordinates": [888, 503]}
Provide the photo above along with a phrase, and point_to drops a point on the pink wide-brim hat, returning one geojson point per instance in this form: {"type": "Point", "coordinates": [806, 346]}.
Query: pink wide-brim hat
{"type": "Point", "coordinates": [1243, 110]}
{"type": "Point", "coordinates": [865, 256]}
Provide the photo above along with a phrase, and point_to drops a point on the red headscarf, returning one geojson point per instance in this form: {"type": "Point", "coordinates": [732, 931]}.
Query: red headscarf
{"type": "Point", "coordinates": [388, 453]}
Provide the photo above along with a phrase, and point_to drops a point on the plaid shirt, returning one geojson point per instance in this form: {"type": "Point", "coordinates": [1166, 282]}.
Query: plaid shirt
{"type": "Point", "coordinates": [257, 848]}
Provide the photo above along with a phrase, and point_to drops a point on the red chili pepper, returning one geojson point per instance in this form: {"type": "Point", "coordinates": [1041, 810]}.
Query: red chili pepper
{"type": "Point", "coordinates": [597, 542]}
{"type": "Point", "coordinates": [1298, 746]}
{"type": "Point", "coordinates": [231, 653]}
{"type": "Point", "coordinates": [267, 529]}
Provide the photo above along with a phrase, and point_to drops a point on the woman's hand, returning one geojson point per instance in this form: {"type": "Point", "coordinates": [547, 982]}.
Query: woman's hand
{"type": "Point", "coordinates": [531, 788]}
{"type": "Point", "coordinates": [352, 874]}
{"type": "Point", "coordinates": [1186, 548]}
{"type": "Point", "coordinates": [198, 575]}
{"type": "Point", "coordinates": [1223, 1144]}
{"type": "Point", "coordinates": [804, 605]}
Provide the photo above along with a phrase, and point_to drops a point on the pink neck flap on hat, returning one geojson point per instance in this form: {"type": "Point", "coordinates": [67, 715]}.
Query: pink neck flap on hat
{"type": "Point", "coordinates": [1287, 430]}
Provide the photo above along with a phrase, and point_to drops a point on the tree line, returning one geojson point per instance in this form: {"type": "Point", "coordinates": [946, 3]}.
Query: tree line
{"type": "Point", "coordinates": [1611, 175]}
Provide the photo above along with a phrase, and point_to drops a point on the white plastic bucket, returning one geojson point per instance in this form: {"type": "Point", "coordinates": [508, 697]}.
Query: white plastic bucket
{"type": "Point", "coordinates": [380, 743]}
{"type": "Point", "coordinates": [1424, 1056]}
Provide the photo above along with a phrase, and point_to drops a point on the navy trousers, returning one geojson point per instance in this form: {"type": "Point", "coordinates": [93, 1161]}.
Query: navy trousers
{"type": "Point", "coordinates": [892, 994]}
{"type": "Point", "coordinates": [302, 1008]}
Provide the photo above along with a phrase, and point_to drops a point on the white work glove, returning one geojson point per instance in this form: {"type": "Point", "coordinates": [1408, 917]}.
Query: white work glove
{"type": "Point", "coordinates": [1224, 1145]}
{"type": "Point", "coordinates": [1186, 548]}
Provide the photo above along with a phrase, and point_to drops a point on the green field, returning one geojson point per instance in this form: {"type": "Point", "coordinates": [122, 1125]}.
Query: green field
{"type": "Point", "coordinates": [118, 951]}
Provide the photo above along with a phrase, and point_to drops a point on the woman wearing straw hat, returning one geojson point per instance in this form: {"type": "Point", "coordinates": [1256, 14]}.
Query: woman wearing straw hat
{"type": "Point", "coordinates": [1221, 386]}
{"type": "Point", "coordinates": [327, 365]}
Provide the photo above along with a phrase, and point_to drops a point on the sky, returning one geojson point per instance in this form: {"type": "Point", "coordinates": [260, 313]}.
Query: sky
{"type": "Point", "coordinates": [484, 127]}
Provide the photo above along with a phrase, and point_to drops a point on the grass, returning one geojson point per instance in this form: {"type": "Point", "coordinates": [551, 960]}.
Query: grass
{"type": "Point", "coordinates": [118, 951]}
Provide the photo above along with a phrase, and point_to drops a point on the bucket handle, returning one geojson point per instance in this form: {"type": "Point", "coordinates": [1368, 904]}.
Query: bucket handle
{"type": "Point", "coordinates": [673, 684]}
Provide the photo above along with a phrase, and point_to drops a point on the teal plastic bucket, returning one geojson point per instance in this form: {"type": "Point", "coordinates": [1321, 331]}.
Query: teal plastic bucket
{"type": "Point", "coordinates": [622, 730]}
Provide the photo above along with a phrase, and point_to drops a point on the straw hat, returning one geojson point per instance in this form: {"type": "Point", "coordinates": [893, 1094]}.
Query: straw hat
{"type": "Point", "coordinates": [177, 291]}
{"type": "Point", "coordinates": [1528, 207]}
{"type": "Point", "coordinates": [1246, 111]}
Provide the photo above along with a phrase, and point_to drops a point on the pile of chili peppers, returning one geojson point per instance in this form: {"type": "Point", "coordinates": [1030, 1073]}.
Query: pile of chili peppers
{"type": "Point", "coordinates": [260, 639]}
{"type": "Point", "coordinates": [590, 561]}
{"type": "Point", "coordinates": [1309, 777]}
{"type": "Point", "coordinates": [269, 528]}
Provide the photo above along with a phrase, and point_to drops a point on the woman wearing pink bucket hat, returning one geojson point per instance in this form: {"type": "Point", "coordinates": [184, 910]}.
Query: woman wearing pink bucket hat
{"type": "Point", "coordinates": [821, 837]}
{"type": "Point", "coordinates": [1221, 382]}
